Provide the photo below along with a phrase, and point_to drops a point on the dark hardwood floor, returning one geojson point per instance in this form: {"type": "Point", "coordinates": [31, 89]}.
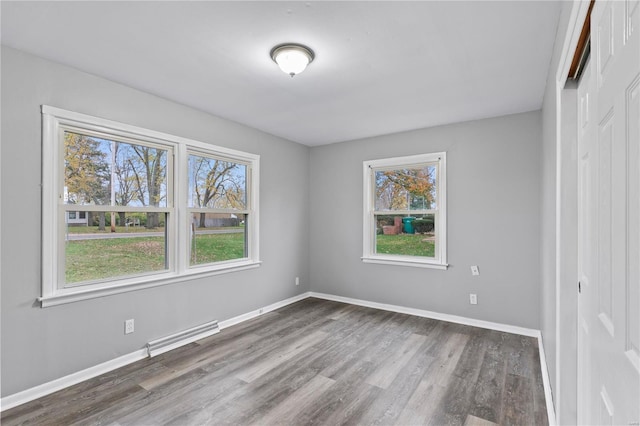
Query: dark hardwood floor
{"type": "Point", "coordinates": [316, 362]}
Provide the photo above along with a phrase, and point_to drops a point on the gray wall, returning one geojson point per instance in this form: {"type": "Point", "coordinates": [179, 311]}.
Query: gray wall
{"type": "Point", "coordinates": [39, 345]}
{"type": "Point", "coordinates": [493, 179]}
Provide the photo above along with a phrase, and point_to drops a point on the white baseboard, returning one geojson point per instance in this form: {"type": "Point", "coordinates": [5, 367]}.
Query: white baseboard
{"type": "Point", "coordinates": [80, 376]}
{"type": "Point", "coordinates": [546, 382]}
{"type": "Point", "coordinates": [429, 314]}
{"type": "Point", "coordinates": [253, 314]}
{"type": "Point", "coordinates": [63, 382]}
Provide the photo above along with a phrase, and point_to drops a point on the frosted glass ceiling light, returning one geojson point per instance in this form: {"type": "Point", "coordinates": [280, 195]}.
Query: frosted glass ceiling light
{"type": "Point", "coordinates": [292, 58]}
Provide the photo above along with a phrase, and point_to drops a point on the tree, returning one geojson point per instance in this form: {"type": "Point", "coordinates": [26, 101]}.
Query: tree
{"type": "Point", "coordinates": [126, 189]}
{"type": "Point", "coordinates": [149, 167]}
{"type": "Point", "coordinates": [216, 183]}
{"type": "Point", "coordinates": [406, 189]}
{"type": "Point", "coordinates": [87, 177]}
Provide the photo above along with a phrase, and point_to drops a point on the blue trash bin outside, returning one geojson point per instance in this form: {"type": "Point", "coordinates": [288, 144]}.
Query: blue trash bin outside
{"type": "Point", "coordinates": [408, 224]}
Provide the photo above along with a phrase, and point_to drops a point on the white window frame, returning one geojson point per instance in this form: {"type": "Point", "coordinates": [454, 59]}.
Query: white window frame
{"type": "Point", "coordinates": [439, 261]}
{"type": "Point", "coordinates": [54, 291]}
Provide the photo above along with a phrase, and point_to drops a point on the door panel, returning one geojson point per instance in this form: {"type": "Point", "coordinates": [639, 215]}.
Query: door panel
{"type": "Point", "coordinates": [631, 12]}
{"type": "Point", "coordinates": [606, 408]}
{"type": "Point", "coordinates": [605, 171]}
{"type": "Point", "coordinates": [633, 275]}
{"type": "Point", "coordinates": [609, 220]}
{"type": "Point", "coordinates": [586, 244]}
{"type": "Point", "coordinates": [606, 41]}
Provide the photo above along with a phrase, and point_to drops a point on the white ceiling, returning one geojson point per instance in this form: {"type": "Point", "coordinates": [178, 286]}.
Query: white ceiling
{"type": "Point", "coordinates": [380, 67]}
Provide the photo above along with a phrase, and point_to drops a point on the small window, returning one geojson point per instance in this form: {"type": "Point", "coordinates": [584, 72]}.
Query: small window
{"type": "Point", "coordinates": [128, 208]}
{"type": "Point", "coordinates": [405, 211]}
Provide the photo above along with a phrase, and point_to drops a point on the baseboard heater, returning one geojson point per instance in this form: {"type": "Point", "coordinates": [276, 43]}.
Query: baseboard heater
{"type": "Point", "coordinates": [181, 338]}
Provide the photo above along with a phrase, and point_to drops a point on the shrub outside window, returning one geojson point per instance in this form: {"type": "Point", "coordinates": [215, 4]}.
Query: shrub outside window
{"type": "Point", "coordinates": [405, 211]}
{"type": "Point", "coordinates": [126, 208]}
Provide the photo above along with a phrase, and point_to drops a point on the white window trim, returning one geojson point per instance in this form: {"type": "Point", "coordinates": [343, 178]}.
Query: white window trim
{"type": "Point", "coordinates": [180, 270]}
{"type": "Point", "coordinates": [368, 249]}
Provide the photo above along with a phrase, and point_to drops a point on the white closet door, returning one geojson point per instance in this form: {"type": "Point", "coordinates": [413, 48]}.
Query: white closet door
{"type": "Point", "coordinates": [609, 220]}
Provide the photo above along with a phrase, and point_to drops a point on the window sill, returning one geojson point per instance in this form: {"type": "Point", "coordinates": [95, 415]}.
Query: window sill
{"type": "Point", "coordinates": [405, 261]}
{"type": "Point", "coordinates": [77, 294]}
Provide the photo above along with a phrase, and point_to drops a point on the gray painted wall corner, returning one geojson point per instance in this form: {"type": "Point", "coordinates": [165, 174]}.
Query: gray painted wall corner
{"type": "Point", "coordinates": [493, 221]}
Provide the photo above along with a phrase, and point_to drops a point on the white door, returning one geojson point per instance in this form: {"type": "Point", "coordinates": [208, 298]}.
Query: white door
{"type": "Point", "coordinates": [609, 219]}
{"type": "Point", "coordinates": [585, 241]}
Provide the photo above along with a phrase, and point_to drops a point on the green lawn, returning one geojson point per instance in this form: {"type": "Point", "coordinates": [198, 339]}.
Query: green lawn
{"type": "Point", "coordinates": [217, 247]}
{"type": "Point", "coordinates": [88, 260]}
{"type": "Point", "coordinates": [405, 244]}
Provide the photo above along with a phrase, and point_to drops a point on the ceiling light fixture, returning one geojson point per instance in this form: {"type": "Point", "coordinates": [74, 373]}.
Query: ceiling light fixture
{"type": "Point", "coordinates": [292, 58]}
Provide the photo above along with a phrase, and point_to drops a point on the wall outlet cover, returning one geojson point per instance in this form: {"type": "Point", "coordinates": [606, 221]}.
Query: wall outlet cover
{"type": "Point", "coordinates": [129, 326]}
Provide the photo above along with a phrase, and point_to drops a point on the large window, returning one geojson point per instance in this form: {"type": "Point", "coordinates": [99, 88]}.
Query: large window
{"type": "Point", "coordinates": [126, 208]}
{"type": "Point", "coordinates": [405, 211]}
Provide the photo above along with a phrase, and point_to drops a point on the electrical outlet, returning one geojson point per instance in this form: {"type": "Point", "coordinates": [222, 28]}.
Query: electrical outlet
{"type": "Point", "coordinates": [473, 298]}
{"type": "Point", "coordinates": [297, 280]}
{"type": "Point", "coordinates": [128, 326]}
{"type": "Point", "coordinates": [475, 270]}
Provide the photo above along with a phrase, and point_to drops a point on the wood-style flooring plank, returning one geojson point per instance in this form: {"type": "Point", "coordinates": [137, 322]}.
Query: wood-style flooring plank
{"type": "Point", "coordinates": [518, 407]}
{"type": "Point", "coordinates": [287, 411]}
{"type": "Point", "coordinates": [182, 397]}
{"type": "Point", "coordinates": [389, 370]}
{"type": "Point", "coordinates": [347, 405]}
{"type": "Point", "coordinates": [389, 404]}
{"type": "Point", "coordinates": [489, 388]}
{"type": "Point", "coordinates": [290, 351]}
{"type": "Point", "coordinates": [203, 356]}
{"type": "Point", "coordinates": [428, 395]}
{"type": "Point", "coordinates": [458, 397]}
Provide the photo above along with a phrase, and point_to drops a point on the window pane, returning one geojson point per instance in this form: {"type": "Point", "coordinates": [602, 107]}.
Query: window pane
{"type": "Point", "coordinates": [104, 172]}
{"type": "Point", "coordinates": [216, 237]}
{"type": "Point", "coordinates": [406, 235]}
{"type": "Point", "coordinates": [406, 189]}
{"type": "Point", "coordinates": [215, 183]}
{"type": "Point", "coordinates": [96, 251]}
